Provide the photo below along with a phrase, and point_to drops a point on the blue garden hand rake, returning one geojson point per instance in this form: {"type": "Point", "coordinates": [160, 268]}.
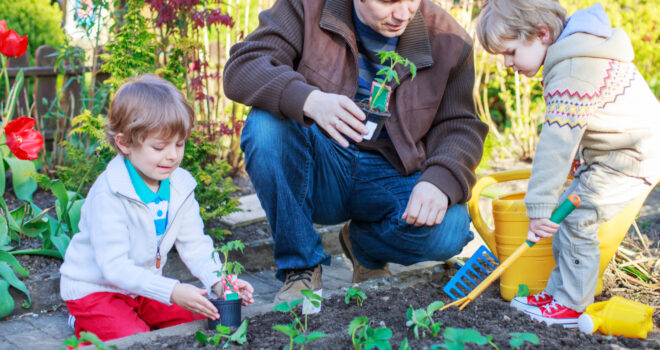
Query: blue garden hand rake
{"type": "Point", "coordinates": [558, 215]}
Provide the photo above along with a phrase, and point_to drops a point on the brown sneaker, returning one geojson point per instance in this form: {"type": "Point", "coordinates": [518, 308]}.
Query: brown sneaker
{"type": "Point", "coordinates": [360, 273]}
{"type": "Point", "coordinates": [297, 280]}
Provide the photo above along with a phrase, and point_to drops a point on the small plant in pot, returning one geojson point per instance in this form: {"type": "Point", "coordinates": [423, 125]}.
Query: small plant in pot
{"type": "Point", "coordinates": [229, 303]}
{"type": "Point", "coordinates": [377, 110]}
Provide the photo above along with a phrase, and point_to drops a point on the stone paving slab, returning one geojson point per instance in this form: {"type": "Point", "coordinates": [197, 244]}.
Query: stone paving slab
{"type": "Point", "coordinates": [250, 211]}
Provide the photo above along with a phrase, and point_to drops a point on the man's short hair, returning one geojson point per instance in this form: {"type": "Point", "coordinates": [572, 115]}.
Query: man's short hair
{"type": "Point", "coordinates": [518, 19]}
{"type": "Point", "coordinates": [148, 105]}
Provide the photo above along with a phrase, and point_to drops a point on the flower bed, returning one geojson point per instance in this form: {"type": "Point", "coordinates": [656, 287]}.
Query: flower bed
{"type": "Point", "coordinates": [489, 315]}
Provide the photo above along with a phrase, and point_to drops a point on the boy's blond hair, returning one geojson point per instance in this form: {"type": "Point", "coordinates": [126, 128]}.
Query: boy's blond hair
{"type": "Point", "coordinates": [518, 19]}
{"type": "Point", "coordinates": [145, 106]}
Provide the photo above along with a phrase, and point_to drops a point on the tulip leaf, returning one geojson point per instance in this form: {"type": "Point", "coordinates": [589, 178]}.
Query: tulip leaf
{"type": "Point", "coordinates": [9, 259]}
{"type": "Point", "coordinates": [13, 94]}
{"type": "Point", "coordinates": [4, 230]}
{"type": "Point", "coordinates": [62, 197]}
{"type": "Point", "coordinates": [22, 179]}
{"type": "Point", "coordinates": [74, 215]}
{"type": "Point", "coordinates": [2, 178]}
{"type": "Point", "coordinates": [6, 300]}
{"type": "Point", "coordinates": [61, 242]}
{"type": "Point", "coordinates": [8, 274]}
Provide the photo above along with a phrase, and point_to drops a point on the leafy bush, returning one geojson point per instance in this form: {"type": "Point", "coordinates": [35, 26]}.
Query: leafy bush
{"type": "Point", "coordinates": [214, 186]}
{"type": "Point", "coordinates": [36, 18]}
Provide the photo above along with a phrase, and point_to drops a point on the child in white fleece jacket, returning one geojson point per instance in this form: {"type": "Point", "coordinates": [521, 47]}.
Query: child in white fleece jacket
{"type": "Point", "coordinates": [599, 107]}
{"type": "Point", "coordinates": [137, 210]}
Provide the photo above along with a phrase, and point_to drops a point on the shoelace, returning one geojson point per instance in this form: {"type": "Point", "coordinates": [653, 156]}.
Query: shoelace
{"type": "Point", "coordinates": [553, 305]}
{"type": "Point", "coordinates": [539, 296]}
{"type": "Point", "coordinates": [299, 275]}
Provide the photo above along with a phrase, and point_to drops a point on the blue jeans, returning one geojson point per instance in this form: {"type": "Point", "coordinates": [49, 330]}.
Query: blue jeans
{"type": "Point", "coordinates": [302, 177]}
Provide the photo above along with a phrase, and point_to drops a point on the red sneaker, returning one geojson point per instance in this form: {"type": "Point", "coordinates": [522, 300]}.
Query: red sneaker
{"type": "Point", "coordinates": [531, 301]}
{"type": "Point", "coordinates": [555, 313]}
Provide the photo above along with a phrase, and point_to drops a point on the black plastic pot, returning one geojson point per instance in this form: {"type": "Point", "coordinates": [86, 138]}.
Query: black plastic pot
{"type": "Point", "coordinates": [230, 313]}
{"type": "Point", "coordinates": [374, 122]}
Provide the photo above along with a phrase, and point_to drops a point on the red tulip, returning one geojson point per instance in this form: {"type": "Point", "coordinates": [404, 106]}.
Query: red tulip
{"type": "Point", "coordinates": [23, 141]}
{"type": "Point", "coordinates": [3, 26]}
{"type": "Point", "coordinates": [11, 44]}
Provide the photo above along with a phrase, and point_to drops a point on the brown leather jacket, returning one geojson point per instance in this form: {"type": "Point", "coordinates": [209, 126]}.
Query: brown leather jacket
{"type": "Point", "coordinates": [302, 45]}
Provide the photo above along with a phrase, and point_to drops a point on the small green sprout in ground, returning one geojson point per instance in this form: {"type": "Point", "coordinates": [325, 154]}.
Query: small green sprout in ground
{"type": "Point", "coordinates": [404, 345]}
{"type": "Point", "coordinates": [518, 339]}
{"type": "Point", "coordinates": [86, 337]}
{"type": "Point", "coordinates": [364, 337]}
{"type": "Point", "coordinates": [297, 330]}
{"type": "Point", "coordinates": [357, 294]}
{"type": "Point", "coordinates": [423, 319]}
{"type": "Point", "coordinates": [238, 337]}
{"type": "Point", "coordinates": [456, 338]}
{"type": "Point", "coordinates": [523, 290]}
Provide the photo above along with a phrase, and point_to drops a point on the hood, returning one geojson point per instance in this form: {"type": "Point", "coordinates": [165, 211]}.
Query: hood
{"type": "Point", "coordinates": [591, 20]}
{"type": "Point", "coordinates": [588, 34]}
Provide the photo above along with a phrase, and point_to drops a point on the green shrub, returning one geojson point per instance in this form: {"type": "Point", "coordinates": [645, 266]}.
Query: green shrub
{"type": "Point", "coordinates": [214, 185]}
{"type": "Point", "coordinates": [36, 18]}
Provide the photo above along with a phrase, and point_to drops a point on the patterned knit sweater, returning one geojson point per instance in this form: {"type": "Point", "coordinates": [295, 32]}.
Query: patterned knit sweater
{"type": "Point", "coordinates": [598, 103]}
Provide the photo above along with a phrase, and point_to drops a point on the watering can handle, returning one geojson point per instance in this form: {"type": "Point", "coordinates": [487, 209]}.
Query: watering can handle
{"type": "Point", "coordinates": [484, 231]}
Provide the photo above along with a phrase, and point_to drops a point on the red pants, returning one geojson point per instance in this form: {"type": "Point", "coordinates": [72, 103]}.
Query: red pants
{"type": "Point", "coordinates": [115, 315]}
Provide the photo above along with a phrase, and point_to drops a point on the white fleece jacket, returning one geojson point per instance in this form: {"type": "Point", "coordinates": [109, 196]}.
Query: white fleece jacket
{"type": "Point", "coordinates": [115, 250]}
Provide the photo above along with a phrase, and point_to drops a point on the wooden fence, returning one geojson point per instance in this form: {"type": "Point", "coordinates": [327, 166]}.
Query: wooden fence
{"type": "Point", "coordinates": [42, 79]}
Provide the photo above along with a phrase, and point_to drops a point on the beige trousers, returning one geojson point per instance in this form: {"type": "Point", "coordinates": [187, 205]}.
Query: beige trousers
{"type": "Point", "coordinates": [604, 192]}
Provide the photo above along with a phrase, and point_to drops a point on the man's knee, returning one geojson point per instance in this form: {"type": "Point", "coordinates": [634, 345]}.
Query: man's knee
{"type": "Point", "coordinates": [264, 136]}
{"type": "Point", "coordinates": [449, 238]}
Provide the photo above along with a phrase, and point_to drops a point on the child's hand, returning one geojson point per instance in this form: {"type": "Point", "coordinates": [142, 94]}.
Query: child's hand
{"type": "Point", "coordinates": [192, 298]}
{"type": "Point", "coordinates": [245, 290]}
{"type": "Point", "coordinates": [540, 228]}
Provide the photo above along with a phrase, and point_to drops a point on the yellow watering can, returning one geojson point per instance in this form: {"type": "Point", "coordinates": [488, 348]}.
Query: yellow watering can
{"type": "Point", "coordinates": [510, 231]}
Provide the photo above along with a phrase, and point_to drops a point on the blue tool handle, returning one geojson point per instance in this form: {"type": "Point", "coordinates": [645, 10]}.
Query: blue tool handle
{"type": "Point", "coordinates": [562, 211]}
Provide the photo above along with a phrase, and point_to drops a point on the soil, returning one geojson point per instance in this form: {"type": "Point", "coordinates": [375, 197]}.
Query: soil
{"type": "Point", "coordinates": [488, 314]}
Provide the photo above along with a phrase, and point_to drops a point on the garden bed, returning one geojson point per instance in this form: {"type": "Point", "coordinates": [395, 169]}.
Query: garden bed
{"type": "Point", "coordinates": [489, 314]}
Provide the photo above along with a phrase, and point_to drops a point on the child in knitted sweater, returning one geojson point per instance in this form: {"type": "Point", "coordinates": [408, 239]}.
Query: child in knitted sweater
{"type": "Point", "coordinates": [141, 206]}
{"type": "Point", "coordinates": [599, 110]}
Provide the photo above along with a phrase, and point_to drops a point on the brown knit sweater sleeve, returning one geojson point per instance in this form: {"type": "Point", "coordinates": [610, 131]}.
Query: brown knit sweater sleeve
{"type": "Point", "coordinates": [454, 145]}
{"type": "Point", "coordinates": [260, 70]}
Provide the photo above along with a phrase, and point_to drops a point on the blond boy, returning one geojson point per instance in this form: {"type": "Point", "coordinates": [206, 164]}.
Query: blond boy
{"type": "Point", "coordinates": [598, 108]}
{"type": "Point", "coordinates": [141, 206]}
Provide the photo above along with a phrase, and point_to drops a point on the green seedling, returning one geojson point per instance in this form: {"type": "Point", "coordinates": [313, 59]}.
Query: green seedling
{"type": "Point", "coordinates": [518, 339]}
{"type": "Point", "coordinates": [297, 330]}
{"type": "Point", "coordinates": [238, 337]}
{"type": "Point", "coordinates": [86, 337]}
{"type": "Point", "coordinates": [456, 338]}
{"type": "Point", "coordinates": [523, 290]}
{"type": "Point", "coordinates": [404, 345]}
{"type": "Point", "coordinates": [230, 267]}
{"type": "Point", "coordinates": [378, 100]}
{"type": "Point", "coordinates": [364, 337]}
{"type": "Point", "coordinates": [422, 319]}
{"type": "Point", "coordinates": [356, 294]}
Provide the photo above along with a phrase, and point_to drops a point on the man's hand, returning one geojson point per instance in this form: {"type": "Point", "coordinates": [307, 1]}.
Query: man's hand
{"type": "Point", "coordinates": [336, 114]}
{"type": "Point", "coordinates": [192, 298]}
{"type": "Point", "coordinates": [541, 228]}
{"type": "Point", "coordinates": [427, 205]}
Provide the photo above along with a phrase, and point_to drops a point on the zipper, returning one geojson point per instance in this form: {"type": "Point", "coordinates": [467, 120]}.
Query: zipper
{"type": "Point", "coordinates": [158, 257]}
